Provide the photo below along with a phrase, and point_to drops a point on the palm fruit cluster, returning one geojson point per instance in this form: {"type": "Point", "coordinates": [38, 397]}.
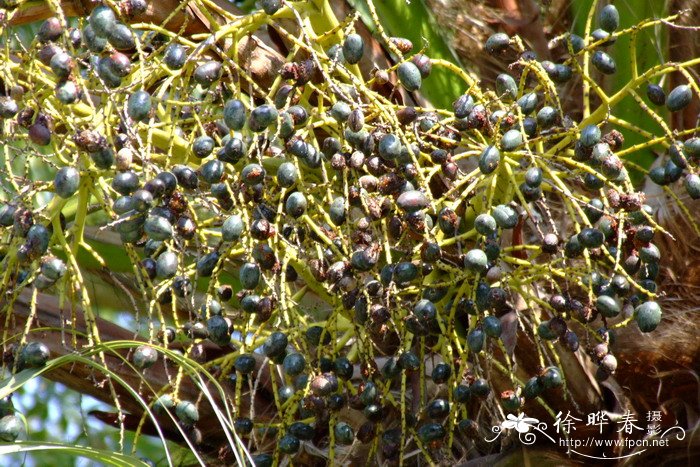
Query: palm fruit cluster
{"type": "Point", "coordinates": [381, 257]}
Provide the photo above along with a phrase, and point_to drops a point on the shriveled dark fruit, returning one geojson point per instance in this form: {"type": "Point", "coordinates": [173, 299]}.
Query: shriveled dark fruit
{"type": "Point", "coordinates": [33, 355]}
{"type": "Point", "coordinates": [497, 43]}
{"type": "Point", "coordinates": [144, 357]}
{"type": "Point", "coordinates": [353, 48]}
{"type": "Point", "coordinates": [187, 412]}
{"type": "Point", "coordinates": [409, 76]}
{"type": "Point", "coordinates": [656, 94]}
{"type": "Point", "coordinates": [175, 56]}
{"type": "Point", "coordinates": [648, 316]}
{"type": "Point", "coordinates": [66, 182]}
{"type": "Point", "coordinates": [207, 73]}
{"type": "Point", "coordinates": [679, 98]}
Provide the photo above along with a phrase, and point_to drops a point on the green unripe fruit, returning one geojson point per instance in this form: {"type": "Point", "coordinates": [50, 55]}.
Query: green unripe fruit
{"type": "Point", "coordinates": [66, 182]}
{"type": "Point", "coordinates": [679, 98]}
{"type": "Point", "coordinates": [648, 316]}
{"type": "Point", "coordinates": [590, 136]}
{"type": "Point", "coordinates": [607, 306]}
{"type": "Point", "coordinates": [207, 73]}
{"type": "Point", "coordinates": [511, 140]}
{"type": "Point", "coordinates": [506, 86]}
{"type": "Point", "coordinates": [476, 261]}
{"type": "Point", "coordinates": [249, 275]}
{"type": "Point", "coordinates": [34, 355]}
{"type": "Point", "coordinates": [505, 216]}
{"type": "Point", "coordinates": [533, 388]}
{"type": "Point", "coordinates": [144, 357]}
{"type": "Point", "coordinates": [262, 117]}
{"type": "Point", "coordinates": [409, 76]}
{"type": "Point", "coordinates": [344, 434]}
{"type": "Point", "coordinates": [528, 103]}
{"type": "Point", "coordinates": [476, 340]}
{"type": "Point", "coordinates": [139, 105]}
{"type": "Point", "coordinates": [692, 186]}
{"type": "Point", "coordinates": [337, 211]}
{"type": "Point", "coordinates": [485, 224]}
{"type": "Point", "coordinates": [492, 326]}
{"type": "Point", "coordinates": [603, 62]}
{"type": "Point", "coordinates": [175, 56]}
{"type": "Point", "coordinates": [121, 37]}
{"type": "Point", "coordinates": [294, 364]}
{"type": "Point", "coordinates": [275, 345]}
{"type": "Point", "coordinates": [158, 228]}
{"type": "Point", "coordinates": [296, 204]}
{"type": "Point", "coordinates": [203, 146]}
{"type": "Point", "coordinates": [552, 378]}
{"type": "Point", "coordinates": [10, 428]}
{"type": "Point", "coordinates": [609, 18]}
{"type": "Point", "coordinates": [187, 412]}
{"type": "Point", "coordinates": [232, 228]}
{"type": "Point", "coordinates": [102, 19]}
{"type": "Point", "coordinates": [431, 432]}
{"type": "Point", "coordinates": [234, 114]}
{"type": "Point", "coordinates": [656, 94]}
{"type": "Point", "coordinates": [353, 48]}
{"type": "Point", "coordinates": [489, 159]}
{"type": "Point", "coordinates": [166, 265]}
{"type": "Point", "coordinates": [497, 43]}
